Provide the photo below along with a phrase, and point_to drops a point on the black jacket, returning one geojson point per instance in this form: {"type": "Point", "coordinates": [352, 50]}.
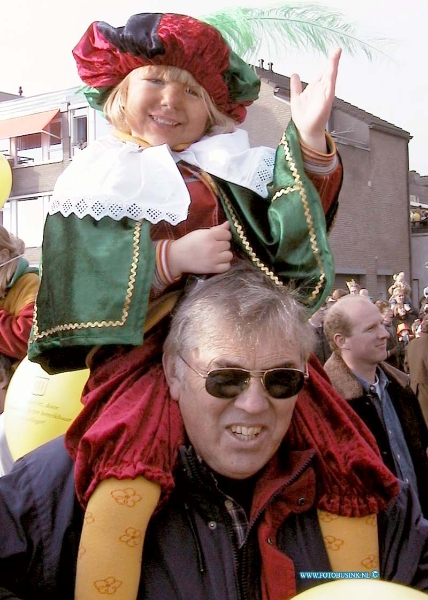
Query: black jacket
{"type": "Point", "coordinates": [408, 411]}
{"type": "Point", "coordinates": [189, 550]}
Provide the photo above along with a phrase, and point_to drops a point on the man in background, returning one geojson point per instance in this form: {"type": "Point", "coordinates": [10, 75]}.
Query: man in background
{"type": "Point", "coordinates": [416, 364]}
{"type": "Point", "coordinates": [378, 392]}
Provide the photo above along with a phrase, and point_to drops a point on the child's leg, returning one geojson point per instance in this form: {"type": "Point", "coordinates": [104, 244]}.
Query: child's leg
{"type": "Point", "coordinates": [111, 545]}
{"type": "Point", "coordinates": [129, 430]}
{"type": "Point", "coordinates": [129, 425]}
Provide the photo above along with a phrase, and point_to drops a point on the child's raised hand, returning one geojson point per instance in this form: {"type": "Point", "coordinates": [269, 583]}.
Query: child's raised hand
{"type": "Point", "coordinates": [310, 108]}
{"type": "Point", "coordinates": [203, 251]}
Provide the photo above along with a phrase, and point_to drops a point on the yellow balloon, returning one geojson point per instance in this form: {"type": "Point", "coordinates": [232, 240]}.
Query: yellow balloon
{"type": "Point", "coordinates": [39, 406]}
{"type": "Point", "coordinates": [361, 589]}
{"type": "Point", "coordinates": [5, 179]}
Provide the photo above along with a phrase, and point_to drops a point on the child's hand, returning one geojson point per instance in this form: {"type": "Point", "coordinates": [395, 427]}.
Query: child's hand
{"type": "Point", "coordinates": [310, 109]}
{"type": "Point", "coordinates": [203, 251]}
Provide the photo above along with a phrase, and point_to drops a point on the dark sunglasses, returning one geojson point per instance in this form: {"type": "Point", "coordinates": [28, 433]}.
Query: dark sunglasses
{"type": "Point", "coordinates": [229, 382]}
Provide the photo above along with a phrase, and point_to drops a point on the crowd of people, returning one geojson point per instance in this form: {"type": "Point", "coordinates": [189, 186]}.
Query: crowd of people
{"type": "Point", "coordinates": [419, 217]}
{"type": "Point", "coordinates": [401, 317]}
{"type": "Point", "coordinates": [228, 442]}
{"type": "Point", "coordinates": [404, 327]}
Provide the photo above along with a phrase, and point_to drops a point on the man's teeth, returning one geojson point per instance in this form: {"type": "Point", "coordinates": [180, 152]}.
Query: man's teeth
{"type": "Point", "coordinates": [248, 433]}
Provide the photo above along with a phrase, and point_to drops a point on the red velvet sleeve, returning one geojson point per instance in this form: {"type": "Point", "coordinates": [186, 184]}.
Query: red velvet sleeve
{"type": "Point", "coordinates": [328, 187]}
{"type": "Point", "coordinates": [15, 331]}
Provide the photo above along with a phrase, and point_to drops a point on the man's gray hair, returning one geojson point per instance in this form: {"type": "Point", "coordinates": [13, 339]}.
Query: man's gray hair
{"type": "Point", "coordinates": [243, 301]}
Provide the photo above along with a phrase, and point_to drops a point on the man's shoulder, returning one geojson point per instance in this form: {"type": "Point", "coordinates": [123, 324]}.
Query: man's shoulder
{"type": "Point", "coordinates": [49, 464]}
{"type": "Point", "coordinates": [395, 375]}
{"type": "Point", "coordinates": [417, 345]}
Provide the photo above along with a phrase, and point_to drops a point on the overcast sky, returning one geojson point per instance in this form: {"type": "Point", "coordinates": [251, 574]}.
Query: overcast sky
{"type": "Point", "coordinates": [37, 37]}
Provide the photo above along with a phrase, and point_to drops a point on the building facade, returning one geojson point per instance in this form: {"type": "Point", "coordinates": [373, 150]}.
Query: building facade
{"type": "Point", "coordinates": [418, 187]}
{"type": "Point", "coordinates": [40, 135]}
{"type": "Point", "coordinates": [371, 235]}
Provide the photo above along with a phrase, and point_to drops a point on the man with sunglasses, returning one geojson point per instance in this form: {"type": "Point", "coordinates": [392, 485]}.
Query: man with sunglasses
{"type": "Point", "coordinates": [276, 473]}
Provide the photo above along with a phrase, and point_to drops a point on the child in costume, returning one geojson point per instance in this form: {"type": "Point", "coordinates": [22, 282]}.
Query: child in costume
{"type": "Point", "coordinates": [174, 189]}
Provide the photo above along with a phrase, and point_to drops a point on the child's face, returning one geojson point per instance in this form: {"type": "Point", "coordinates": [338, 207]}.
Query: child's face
{"type": "Point", "coordinates": [164, 112]}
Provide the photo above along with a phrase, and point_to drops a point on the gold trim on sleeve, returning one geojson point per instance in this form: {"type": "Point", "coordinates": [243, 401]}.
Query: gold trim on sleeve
{"type": "Point", "coordinates": [100, 324]}
{"type": "Point", "coordinates": [299, 187]}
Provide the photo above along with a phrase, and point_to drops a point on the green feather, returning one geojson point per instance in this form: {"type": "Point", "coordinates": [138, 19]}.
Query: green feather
{"type": "Point", "coordinates": [290, 27]}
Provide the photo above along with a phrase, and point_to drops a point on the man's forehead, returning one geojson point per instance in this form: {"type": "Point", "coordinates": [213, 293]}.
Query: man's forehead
{"type": "Point", "coordinates": [363, 314]}
{"type": "Point", "coordinates": [234, 350]}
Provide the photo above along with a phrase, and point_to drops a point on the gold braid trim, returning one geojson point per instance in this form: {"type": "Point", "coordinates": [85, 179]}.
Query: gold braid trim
{"type": "Point", "coordinates": [299, 187]}
{"type": "Point", "coordinates": [239, 231]}
{"type": "Point", "coordinates": [285, 191]}
{"type": "Point", "coordinates": [100, 324]}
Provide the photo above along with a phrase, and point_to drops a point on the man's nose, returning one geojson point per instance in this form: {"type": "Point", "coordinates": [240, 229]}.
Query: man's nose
{"type": "Point", "coordinates": [383, 332]}
{"type": "Point", "coordinates": [254, 399]}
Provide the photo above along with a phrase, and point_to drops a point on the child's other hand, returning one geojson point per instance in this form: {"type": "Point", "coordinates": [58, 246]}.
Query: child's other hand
{"type": "Point", "coordinates": [202, 252]}
{"type": "Point", "coordinates": [311, 108]}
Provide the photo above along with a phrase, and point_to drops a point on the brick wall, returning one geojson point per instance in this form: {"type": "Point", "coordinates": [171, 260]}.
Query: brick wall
{"type": "Point", "coordinates": [370, 239]}
{"type": "Point", "coordinates": [371, 234]}
{"type": "Point", "coordinates": [41, 178]}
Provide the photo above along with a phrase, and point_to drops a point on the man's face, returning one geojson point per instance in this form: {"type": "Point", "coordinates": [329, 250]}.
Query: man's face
{"type": "Point", "coordinates": [401, 310]}
{"type": "Point", "coordinates": [237, 437]}
{"type": "Point", "coordinates": [367, 342]}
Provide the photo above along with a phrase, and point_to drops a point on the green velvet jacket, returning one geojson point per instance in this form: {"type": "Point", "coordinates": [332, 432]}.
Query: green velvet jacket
{"type": "Point", "coordinates": [96, 275]}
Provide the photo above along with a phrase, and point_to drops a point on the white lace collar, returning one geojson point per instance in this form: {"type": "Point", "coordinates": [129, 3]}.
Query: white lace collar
{"type": "Point", "coordinates": [116, 179]}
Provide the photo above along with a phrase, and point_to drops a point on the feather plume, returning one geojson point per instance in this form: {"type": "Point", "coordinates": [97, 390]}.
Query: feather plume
{"type": "Point", "coordinates": [290, 27]}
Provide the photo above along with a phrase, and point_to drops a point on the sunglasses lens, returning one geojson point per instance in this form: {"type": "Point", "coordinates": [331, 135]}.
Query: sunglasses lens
{"type": "Point", "coordinates": [226, 383]}
{"type": "Point", "coordinates": [229, 383]}
{"type": "Point", "coordinates": [283, 383]}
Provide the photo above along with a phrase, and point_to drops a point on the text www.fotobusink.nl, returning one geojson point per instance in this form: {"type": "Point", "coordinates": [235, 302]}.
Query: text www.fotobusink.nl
{"type": "Point", "coordinates": [339, 574]}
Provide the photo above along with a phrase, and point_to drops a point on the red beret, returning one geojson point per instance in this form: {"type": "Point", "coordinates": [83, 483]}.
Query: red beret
{"type": "Point", "coordinates": [105, 55]}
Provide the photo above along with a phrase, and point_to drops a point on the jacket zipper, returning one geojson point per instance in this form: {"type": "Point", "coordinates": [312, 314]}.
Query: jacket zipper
{"type": "Point", "coordinates": [242, 586]}
{"type": "Point", "coordinates": [244, 583]}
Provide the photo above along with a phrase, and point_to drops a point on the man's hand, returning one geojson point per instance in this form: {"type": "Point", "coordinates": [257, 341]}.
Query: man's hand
{"type": "Point", "coordinates": [203, 251]}
{"type": "Point", "coordinates": [311, 108]}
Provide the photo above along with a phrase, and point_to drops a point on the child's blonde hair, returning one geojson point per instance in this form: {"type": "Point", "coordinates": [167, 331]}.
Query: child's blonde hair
{"type": "Point", "coordinates": [114, 108]}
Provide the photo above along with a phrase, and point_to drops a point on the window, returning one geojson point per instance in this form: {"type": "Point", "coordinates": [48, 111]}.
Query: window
{"type": "Point", "coordinates": [25, 218]}
{"type": "Point", "coordinates": [40, 147]}
{"type": "Point", "coordinates": [29, 148]}
{"type": "Point", "coordinates": [79, 129]}
{"type": "Point", "coordinates": [55, 141]}
{"type": "Point", "coordinates": [5, 147]}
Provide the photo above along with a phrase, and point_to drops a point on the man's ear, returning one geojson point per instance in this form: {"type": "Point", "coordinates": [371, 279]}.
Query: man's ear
{"type": "Point", "coordinates": [340, 341]}
{"type": "Point", "coordinates": [173, 381]}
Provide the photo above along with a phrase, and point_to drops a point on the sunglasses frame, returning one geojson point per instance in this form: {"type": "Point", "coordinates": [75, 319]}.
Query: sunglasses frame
{"type": "Point", "coordinates": [250, 375]}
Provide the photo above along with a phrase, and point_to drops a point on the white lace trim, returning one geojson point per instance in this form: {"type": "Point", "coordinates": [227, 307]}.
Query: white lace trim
{"type": "Point", "coordinates": [113, 208]}
{"type": "Point", "coordinates": [115, 179]}
{"type": "Point", "coordinates": [264, 175]}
